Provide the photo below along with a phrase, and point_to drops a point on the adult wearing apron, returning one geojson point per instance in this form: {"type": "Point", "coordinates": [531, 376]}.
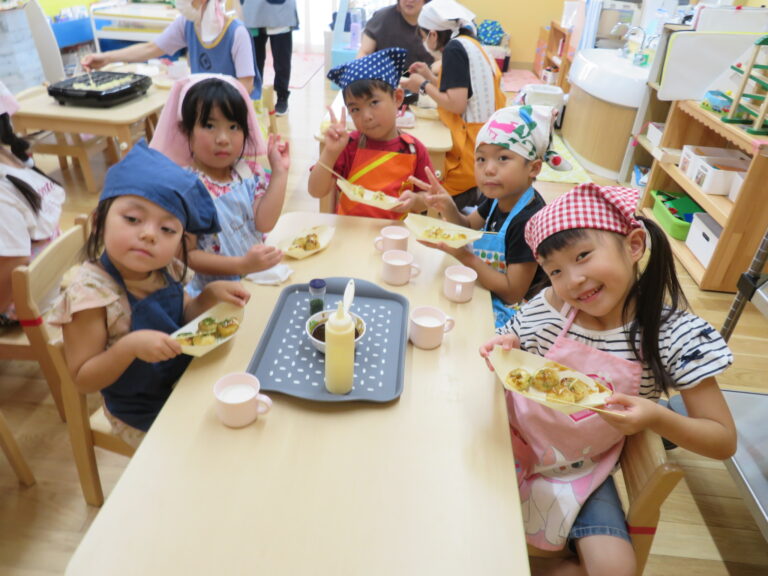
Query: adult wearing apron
{"type": "Point", "coordinates": [467, 90]}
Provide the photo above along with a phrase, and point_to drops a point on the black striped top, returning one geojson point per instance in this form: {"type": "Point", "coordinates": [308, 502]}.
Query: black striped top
{"type": "Point", "coordinates": [691, 349]}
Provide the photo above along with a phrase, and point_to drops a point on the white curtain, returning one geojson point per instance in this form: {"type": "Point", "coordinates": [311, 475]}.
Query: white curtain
{"type": "Point", "coordinates": [591, 21]}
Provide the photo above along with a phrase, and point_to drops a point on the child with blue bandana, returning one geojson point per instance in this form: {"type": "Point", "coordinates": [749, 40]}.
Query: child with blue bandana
{"type": "Point", "coordinates": [376, 155]}
{"type": "Point", "coordinates": [128, 296]}
{"type": "Point", "coordinates": [509, 152]}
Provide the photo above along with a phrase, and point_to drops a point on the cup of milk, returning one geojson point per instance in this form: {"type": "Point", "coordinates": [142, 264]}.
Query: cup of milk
{"type": "Point", "coordinates": [238, 402]}
{"type": "Point", "coordinates": [459, 283]}
{"type": "Point", "coordinates": [428, 325]}
{"type": "Point", "coordinates": [398, 267]}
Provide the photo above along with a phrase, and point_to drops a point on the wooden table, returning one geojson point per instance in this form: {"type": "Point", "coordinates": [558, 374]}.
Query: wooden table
{"type": "Point", "coordinates": [422, 485]}
{"type": "Point", "coordinates": [39, 111]}
{"type": "Point", "coordinates": [435, 136]}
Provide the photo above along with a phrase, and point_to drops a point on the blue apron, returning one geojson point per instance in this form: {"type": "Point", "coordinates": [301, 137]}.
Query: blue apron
{"type": "Point", "coordinates": [141, 391]}
{"type": "Point", "coordinates": [491, 249]}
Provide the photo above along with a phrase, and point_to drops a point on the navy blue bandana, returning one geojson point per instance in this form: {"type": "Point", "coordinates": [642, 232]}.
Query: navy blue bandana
{"type": "Point", "coordinates": [387, 65]}
{"type": "Point", "coordinates": [149, 174]}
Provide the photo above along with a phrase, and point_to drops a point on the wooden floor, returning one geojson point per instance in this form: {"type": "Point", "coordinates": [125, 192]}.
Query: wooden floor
{"type": "Point", "coordinates": [706, 529]}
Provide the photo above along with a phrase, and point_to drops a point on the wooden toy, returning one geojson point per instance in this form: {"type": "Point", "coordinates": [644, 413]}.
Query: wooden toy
{"type": "Point", "coordinates": [745, 102]}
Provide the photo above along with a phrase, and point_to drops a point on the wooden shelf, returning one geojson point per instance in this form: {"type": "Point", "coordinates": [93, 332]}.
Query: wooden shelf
{"type": "Point", "coordinates": [743, 222]}
{"type": "Point", "coordinates": [719, 207]}
{"type": "Point", "coordinates": [748, 143]}
{"type": "Point", "coordinates": [681, 252]}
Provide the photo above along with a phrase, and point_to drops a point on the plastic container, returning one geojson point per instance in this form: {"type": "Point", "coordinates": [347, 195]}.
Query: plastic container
{"type": "Point", "coordinates": [715, 175]}
{"type": "Point", "coordinates": [655, 132]}
{"type": "Point", "coordinates": [693, 156]}
{"type": "Point", "coordinates": [736, 184]}
{"type": "Point", "coordinates": [677, 227]}
{"type": "Point", "coordinates": [316, 296]}
{"type": "Point", "coordinates": [339, 352]}
{"type": "Point", "coordinates": [703, 236]}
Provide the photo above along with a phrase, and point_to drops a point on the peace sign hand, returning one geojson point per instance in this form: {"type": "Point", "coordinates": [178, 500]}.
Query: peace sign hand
{"type": "Point", "coordinates": [337, 136]}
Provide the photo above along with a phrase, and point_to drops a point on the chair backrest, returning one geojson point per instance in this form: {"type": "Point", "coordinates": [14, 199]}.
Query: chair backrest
{"type": "Point", "coordinates": [31, 286]}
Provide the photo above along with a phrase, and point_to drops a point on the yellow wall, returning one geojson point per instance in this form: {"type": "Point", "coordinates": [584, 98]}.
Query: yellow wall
{"type": "Point", "coordinates": [53, 7]}
{"type": "Point", "coordinates": [757, 3]}
{"type": "Point", "coordinates": [521, 19]}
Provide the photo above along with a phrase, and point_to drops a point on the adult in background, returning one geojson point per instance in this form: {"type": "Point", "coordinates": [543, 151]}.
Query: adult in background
{"type": "Point", "coordinates": [273, 20]}
{"type": "Point", "coordinates": [396, 27]}
{"type": "Point", "coordinates": [467, 90]}
{"type": "Point", "coordinates": [215, 43]}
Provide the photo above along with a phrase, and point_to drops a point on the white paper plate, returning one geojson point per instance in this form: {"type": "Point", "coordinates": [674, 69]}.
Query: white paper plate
{"type": "Point", "coordinates": [219, 312]}
{"type": "Point", "coordinates": [506, 360]}
{"type": "Point", "coordinates": [364, 196]}
{"type": "Point", "coordinates": [324, 236]}
{"type": "Point", "coordinates": [458, 235]}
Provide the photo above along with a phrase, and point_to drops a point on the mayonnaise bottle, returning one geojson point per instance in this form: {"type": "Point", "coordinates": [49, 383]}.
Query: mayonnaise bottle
{"type": "Point", "coordinates": [339, 352]}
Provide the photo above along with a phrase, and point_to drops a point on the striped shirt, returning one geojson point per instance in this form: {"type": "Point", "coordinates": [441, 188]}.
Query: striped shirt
{"type": "Point", "coordinates": [691, 349]}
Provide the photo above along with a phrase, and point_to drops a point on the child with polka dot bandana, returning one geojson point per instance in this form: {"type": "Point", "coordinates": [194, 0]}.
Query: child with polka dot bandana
{"type": "Point", "coordinates": [376, 155]}
{"type": "Point", "coordinates": [625, 325]}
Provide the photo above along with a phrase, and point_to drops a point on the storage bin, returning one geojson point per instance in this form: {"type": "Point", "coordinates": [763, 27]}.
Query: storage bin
{"type": "Point", "coordinates": [655, 132]}
{"type": "Point", "coordinates": [715, 175]}
{"type": "Point", "coordinates": [703, 236]}
{"type": "Point", "coordinates": [676, 227]}
{"type": "Point", "coordinates": [736, 184]}
{"type": "Point", "coordinates": [693, 155]}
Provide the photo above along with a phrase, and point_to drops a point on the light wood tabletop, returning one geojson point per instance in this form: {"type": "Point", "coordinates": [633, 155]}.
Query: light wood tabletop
{"type": "Point", "coordinates": [421, 485]}
{"type": "Point", "coordinates": [39, 111]}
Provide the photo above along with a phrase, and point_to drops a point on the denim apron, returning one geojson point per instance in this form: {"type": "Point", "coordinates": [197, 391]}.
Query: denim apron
{"type": "Point", "coordinates": [491, 249]}
{"type": "Point", "coordinates": [140, 392]}
{"type": "Point", "coordinates": [560, 459]}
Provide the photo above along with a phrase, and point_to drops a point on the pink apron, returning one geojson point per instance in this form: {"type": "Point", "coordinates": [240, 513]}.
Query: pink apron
{"type": "Point", "coordinates": [562, 458]}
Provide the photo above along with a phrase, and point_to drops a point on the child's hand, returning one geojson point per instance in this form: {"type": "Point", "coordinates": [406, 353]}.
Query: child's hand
{"type": "Point", "coordinates": [437, 197]}
{"type": "Point", "coordinates": [633, 413]}
{"type": "Point", "coordinates": [260, 257]}
{"type": "Point", "coordinates": [227, 291]}
{"type": "Point", "coordinates": [463, 254]}
{"type": "Point", "coordinates": [411, 201]}
{"type": "Point", "coordinates": [506, 341]}
{"type": "Point", "coordinates": [278, 153]}
{"type": "Point", "coordinates": [336, 136]}
{"type": "Point", "coordinates": [152, 345]}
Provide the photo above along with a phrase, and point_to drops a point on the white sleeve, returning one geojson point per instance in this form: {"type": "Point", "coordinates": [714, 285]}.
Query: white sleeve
{"type": "Point", "coordinates": [172, 39]}
{"type": "Point", "coordinates": [14, 233]}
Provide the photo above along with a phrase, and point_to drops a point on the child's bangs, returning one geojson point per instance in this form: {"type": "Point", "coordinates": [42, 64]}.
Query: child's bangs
{"type": "Point", "coordinates": [204, 96]}
{"type": "Point", "coordinates": [364, 88]}
{"type": "Point", "coordinates": [560, 240]}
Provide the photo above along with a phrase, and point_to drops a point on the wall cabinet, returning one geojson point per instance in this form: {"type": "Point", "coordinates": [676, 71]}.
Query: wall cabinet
{"type": "Point", "coordinates": [553, 49]}
{"type": "Point", "coordinates": [744, 221]}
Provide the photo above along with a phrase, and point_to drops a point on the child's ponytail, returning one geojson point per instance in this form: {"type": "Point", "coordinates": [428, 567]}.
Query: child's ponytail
{"type": "Point", "coordinates": [656, 296]}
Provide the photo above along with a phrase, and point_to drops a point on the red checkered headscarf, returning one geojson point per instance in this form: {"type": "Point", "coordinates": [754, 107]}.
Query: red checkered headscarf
{"type": "Point", "coordinates": [610, 208]}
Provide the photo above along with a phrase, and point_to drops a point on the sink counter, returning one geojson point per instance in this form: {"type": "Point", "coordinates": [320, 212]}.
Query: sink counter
{"type": "Point", "coordinates": [607, 75]}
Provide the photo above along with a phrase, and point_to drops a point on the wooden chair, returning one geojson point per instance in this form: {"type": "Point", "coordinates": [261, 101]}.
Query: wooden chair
{"type": "Point", "coordinates": [648, 479]}
{"type": "Point", "coordinates": [12, 452]}
{"type": "Point", "coordinates": [85, 432]}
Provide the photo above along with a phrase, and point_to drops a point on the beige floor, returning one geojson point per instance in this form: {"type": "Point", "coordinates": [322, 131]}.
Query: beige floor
{"type": "Point", "coordinates": [705, 530]}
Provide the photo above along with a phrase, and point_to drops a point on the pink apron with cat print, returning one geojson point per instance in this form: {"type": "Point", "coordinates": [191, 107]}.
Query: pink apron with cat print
{"type": "Point", "coordinates": [562, 458]}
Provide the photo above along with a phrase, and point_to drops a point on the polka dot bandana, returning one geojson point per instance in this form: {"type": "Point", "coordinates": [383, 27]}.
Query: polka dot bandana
{"type": "Point", "coordinates": [610, 208]}
{"type": "Point", "coordinates": [386, 65]}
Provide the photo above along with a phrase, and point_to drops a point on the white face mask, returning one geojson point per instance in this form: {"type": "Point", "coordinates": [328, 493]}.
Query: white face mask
{"type": "Point", "coordinates": [186, 9]}
{"type": "Point", "coordinates": [434, 53]}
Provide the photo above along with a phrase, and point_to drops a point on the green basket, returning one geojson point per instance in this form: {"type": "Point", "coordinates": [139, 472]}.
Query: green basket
{"type": "Point", "coordinates": [674, 226]}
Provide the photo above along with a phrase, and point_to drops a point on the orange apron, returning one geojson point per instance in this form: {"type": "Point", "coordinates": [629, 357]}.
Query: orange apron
{"type": "Point", "coordinates": [459, 175]}
{"type": "Point", "coordinates": [383, 171]}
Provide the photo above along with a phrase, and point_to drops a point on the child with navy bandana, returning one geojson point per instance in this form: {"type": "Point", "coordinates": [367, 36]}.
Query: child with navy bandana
{"type": "Point", "coordinates": [376, 155]}
{"type": "Point", "coordinates": [128, 297]}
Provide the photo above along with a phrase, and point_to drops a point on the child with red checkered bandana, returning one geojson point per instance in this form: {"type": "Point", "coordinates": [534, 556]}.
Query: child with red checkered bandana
{"type": "Point", "coordinates": [624, 324]}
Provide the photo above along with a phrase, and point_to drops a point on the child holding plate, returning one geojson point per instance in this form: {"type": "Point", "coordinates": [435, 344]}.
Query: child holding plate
{"type": "Point", "coordinates": [209, 126]}
{"type": "Point", "coordinates": [121, 306]}
{"type": "Point", "coordinates": [376, 156]}
{"type": "Point", "coordinates": [509, 151]}
{"type": "Point", "coordinates": [624, 325]}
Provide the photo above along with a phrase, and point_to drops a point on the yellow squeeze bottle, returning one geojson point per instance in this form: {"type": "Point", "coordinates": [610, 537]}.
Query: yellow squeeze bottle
{"type": "Point", "coordinates": [339, 352]}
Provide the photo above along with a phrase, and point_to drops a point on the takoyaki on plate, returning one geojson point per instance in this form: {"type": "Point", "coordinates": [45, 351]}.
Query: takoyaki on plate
{"type": "Point", "coordinates": [210, 330]}
{"type": "Point", "coordinates": [307, 242]}
{"type": "Point", "coordinates": [547, 382]}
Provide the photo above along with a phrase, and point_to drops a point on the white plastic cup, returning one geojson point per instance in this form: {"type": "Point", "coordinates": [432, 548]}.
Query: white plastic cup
{"type": "Point", "coordinates": [238, 402]}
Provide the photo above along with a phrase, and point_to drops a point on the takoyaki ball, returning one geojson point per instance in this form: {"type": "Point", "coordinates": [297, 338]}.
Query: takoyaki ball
{"type": "Point", "coordinates": [545, 379]}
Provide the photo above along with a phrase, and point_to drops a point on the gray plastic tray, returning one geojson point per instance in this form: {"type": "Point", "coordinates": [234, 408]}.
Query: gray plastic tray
{"type": "Point", "coordinates": [285, 361]}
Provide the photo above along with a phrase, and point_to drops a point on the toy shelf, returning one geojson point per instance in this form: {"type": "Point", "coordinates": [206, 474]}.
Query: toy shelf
{"type": "Point", "coordinates": [743, 221]}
